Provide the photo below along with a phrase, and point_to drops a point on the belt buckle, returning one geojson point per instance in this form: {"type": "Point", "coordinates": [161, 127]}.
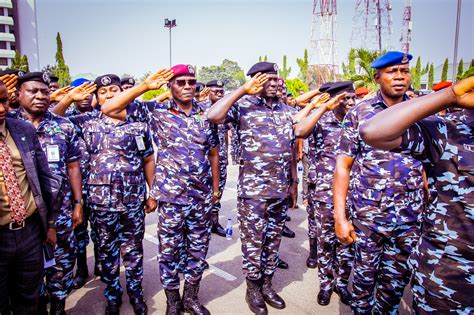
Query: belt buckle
{"type": "Point", "coordinates": [10, 226]}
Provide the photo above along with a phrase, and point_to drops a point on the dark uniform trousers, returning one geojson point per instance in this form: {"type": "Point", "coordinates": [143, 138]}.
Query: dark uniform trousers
{"type": "Point", "coordinates": [21, 267]}
{"type": "Point", "coordinates": [261, 224]}
{"type": "Point", "coordinates": [82, 231]}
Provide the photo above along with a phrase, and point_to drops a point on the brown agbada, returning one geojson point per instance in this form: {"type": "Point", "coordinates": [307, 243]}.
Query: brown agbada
{"type": "Point", "coordinates": [20, 172]}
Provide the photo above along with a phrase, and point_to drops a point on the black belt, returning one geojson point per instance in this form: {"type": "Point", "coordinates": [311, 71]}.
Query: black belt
{"type": "Point", "coordinates": [13, 226]}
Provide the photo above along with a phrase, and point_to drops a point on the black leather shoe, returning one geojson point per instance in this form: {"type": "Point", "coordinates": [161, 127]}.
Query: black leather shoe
{"type": "Point", "coordinates": [312, 260]}
{"type": "Point", "coordinates": [324, 297]}
{"type": "Point", "coordinates": [57, 307]}
{"type": "Point", "coordinates": [288, 233]}
{"type": "Point", "coordinates": [139, 306]}
{"type": "Point", "coordinates": [269, 294]}
{"type": "Point", "coordinates": [344, 295]}
{"type": "Point", "coordinates": [254, 298]}
{"type": "Point", "coordinates": [216, 227]}
{"type": "Point", "coordinates": [173, 302]}
{"type": "Point", "coordinates": [282, 264]}
{"type": "Point", "coordinates": [288, 218]}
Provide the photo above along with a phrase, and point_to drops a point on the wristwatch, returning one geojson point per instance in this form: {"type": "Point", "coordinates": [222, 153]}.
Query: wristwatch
{"type": "Point", "coordinates": [78, 201]}
{"type": "Point", "coordinates": [217, 194]}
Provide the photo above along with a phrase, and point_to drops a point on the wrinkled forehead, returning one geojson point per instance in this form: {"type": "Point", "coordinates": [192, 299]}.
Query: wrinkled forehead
{"type": "Point", "coordinates": [34, 85]}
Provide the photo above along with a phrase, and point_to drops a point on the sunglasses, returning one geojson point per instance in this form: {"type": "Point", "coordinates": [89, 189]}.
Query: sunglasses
{"type": "Point", "coordinates": [218, 91]}
{"type": "Point", "coordinates": [182, 83]}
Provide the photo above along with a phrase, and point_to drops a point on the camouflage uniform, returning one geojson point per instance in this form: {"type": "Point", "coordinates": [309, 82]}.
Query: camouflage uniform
{"type": "Point", "coordinates": [387, 200]}
{"type": "Point", "coordinates": [443, 260]}
{"type": "Point", "coordinates": [182, 185]}
{"type": "Point", "coordinates": [310, 208]}
{"type": "Point", "coordinates": [333, 257]}
{"type": "Point", "coordinates": [116, 195]}
{"type": "Point", "coordinates": [234, 145]}
{"type": "Point", "coordinates": [266, 138]}
{"type": "Point", "coordinates": [56, 133]}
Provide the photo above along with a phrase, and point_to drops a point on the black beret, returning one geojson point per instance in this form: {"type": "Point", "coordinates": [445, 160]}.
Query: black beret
{"type": "Point", "coordinates": [11, 71]}
{"type": "Point", "coordinates": [106, 80]}
{"type": "Point", "coordinates": [213, 83]}
{"type": "Point", "coordinates": [127, 81]}
{"type": "Point", "coordinates": [199, 87]}
{"type": "Point", "coordinates": [53, 78]}
{"type": "Point", "coordinates": [263, 67]}
{"type": "Point", "coordinates": [340, 87]}
{"type": "Point", "coordinates": [34, 76]}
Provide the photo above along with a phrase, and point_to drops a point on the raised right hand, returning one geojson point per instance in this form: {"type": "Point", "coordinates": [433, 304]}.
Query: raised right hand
{"type": "Point", "coordinates": [158, 79]}
{"type": "Point", "coordinates": [255, 84]}
{"type": "Point", "coordinates": [464, 92]}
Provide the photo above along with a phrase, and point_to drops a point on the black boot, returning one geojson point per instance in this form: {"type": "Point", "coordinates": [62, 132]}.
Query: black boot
{"type": "Point", "coordinates": [113, 307]}
{"type": "Point", "coordinates": [82, 272]}
{"type": "Point", "coordinates": [191, 302]}
{"type": "Point", "coordinates": [324, 297]}
{"type": "Point", "coordinates": [173, 302]}
{"type": "Point", "coordinates": [57, 307]}
{"type": "Point", "coordinates": [282, 264]}
{"type": "Point", "coordinates": [254, 298]}
{"type": "Point", "coordinates": [42, 305]}
{"type": "Point", "coordinates": [139, 306]}
{"type": "Point", "coordinates": [287, 232]}
{"type": "Point", "coordinates": [344, 295]}
{"type": "Point", "coordinates": [97, 265]}
{"type": "Point", "coordinates": [269, 294]}
{"type": "Point", "coordinates": [312, 261]}
{"type": "Point", "coordinates": [216, 227]}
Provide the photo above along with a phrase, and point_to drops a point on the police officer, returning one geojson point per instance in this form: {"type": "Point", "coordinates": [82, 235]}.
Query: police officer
{"type": "Point", "coordinates": [127, 83]}
{"type": "Point", "coordinates": [334, 260]}
{"type": "Point", "coordinates": [186, 179]}
{"type": "Point", "coordinates": [121, 161]}
{"type": "Point", "coordinates": [216, 92]}
{"type": "Point", "coordinates": [386, 200]}
{"type": "Point", "coordinates": [267, 176]}
{"type": "Point", "coordinates": [442, 260]}
{"type": "Point", "coordinates": [60, 142]}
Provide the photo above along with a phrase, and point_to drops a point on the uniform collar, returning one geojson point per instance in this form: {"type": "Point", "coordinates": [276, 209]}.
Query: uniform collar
{"type": "Point", "coordinates": [378, 100]}
{"type": "Point", "coordinates": [258, 100]}
{"type": "Point", "coordinates": [20, 113]}
{"type": "Point", "coordinates": [195, 109]}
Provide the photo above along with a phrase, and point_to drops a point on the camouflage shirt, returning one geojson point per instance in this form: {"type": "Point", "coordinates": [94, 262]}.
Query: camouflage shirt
{"type": "Point", "coordinates": [58, 139]}
{"type": "Point", "coordinates": [388, 186]}
{"type": "Point", "coordinates": [446, 148]}
{"type": "Point", "coordinates": [116, 151]}
{"type": "Point", "coordinates": [265, 138]}
{"type": "Point", "coordinates": [222, 131]}
{"type": "Point", "coordinates": [183, 170]}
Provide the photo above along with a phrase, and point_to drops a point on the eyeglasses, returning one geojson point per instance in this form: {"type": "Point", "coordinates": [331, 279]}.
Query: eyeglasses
{"type": "Point", "coordinates": [217, 91]}
{"type": "Point", "coordinates": [182, 83]}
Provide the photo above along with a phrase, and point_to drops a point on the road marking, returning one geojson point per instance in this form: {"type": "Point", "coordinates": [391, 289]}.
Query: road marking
{"type": "Point", "coordinates": [217, 271]}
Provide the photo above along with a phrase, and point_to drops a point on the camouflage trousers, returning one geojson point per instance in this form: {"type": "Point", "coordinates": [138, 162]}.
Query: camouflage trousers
{"type": "Point", "coordinates": [261, 224]}
{"type": "Point", "coordinates": [234, 146]}
{"type": "Point", "coordinates": [310, 209]}
{"type": "Point", "coordinates": [442, 277]}
{"type": "Point", "coordinates": [334, 258]}
{"type": "Point", "coordinates": [184, 232]}
{"type": "Point", "coordinates": [380, 264]}
{"type": "Point", "coordinates": [60, 276]}
{"type": "Point", "coordinates": [81, 231]}
{"type": "Point", "coordinates": [222, 180]}
{"type": "Point", "coordinates": [120, 234]}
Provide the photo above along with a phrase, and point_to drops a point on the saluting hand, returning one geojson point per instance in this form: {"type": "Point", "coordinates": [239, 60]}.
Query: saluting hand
{"type": "Point", "coordinates": [319, 100]}
{"type": "Point", "coordinates": [255, 84]}
{"type": "Point", "coordinates": [464, 92]}
{"type": "Point", "coordinates": [203, 94]}
{"type": "Point", "coordinates": [10, 82]}
{"type": "Point", "coordinates": [59, 94]}
{"type": "Point", "coordinates": [335, 101]}
{"type": "Point", "coordinates": [80, 92]}
{"type": "Point", "coordinates": [158, 79]}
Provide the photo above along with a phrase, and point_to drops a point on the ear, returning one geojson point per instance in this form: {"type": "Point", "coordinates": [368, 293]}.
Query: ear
{"type": "Point", "coordinates": [377, 76]}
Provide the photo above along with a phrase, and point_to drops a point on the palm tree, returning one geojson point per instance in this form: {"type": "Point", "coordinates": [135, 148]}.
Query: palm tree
{"type": "Point", "coordinates": [358, 67]}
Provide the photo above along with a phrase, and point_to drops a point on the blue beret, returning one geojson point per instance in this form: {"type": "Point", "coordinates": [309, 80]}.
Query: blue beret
{"type": "Point", "coordinates": [391, 58]}
{"type": "Point", "coordinates": [263, 67]}
{"type": "Point", "coordinates": [213, 83]}
{"type": "Point", "coordinates": [42, 77]}
{"type": "Point", "coordinates": [106, 80]}
{"type": "Point", "coordinates": [79, 81]}
{"type": "Point", "coordinates": [340, 87]}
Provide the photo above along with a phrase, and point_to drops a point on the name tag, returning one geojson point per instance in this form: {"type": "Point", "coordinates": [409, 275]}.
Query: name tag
{"type": "Point", "coordinates": [140, 143]}
{"type": "Point", "coordinates": [469, 147]}
{"type": "Point", "coordinates": [52, 152]}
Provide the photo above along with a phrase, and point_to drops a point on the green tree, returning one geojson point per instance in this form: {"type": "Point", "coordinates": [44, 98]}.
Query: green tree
{"type": "Point", "coordinates": [431, 76]}
{"type": "Point", "coordinates": [359, 70]}
{"type": "Point", "coordinates": [25, 67]}
{"type": "Point", "coordinates": [228, 72]}
{"type": "Point", "coordinates": [16, 61]}
{"type": "Point", "coordinates": [285, 71]}
{"type": "Point", "coordinates": [260, 59]}
{"type": "Point", "coordinates": [417, 72]}
{"type": "Point", "coordinates": [62, 70]}
{"type": "Point", "coordinates": [350, 69]}
{"type": "Point", "coordinates": [295, 86]}
{"type": "Point", "coordinates": [303, 64]}
{"type": "Point", "coordinates": [149, 95]}
{"type": "Point", "coordinates": [460, 68]}
{"type": "Point", "coordinates": [444, 72]}
{"type": "Point", "coordinates": [468, 73]}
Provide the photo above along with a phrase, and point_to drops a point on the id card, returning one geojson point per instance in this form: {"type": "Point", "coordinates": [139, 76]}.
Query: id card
{"type": "Point", "coordinates": [52, 151]}
{"type": "Point", "coordinates": [140, 143]}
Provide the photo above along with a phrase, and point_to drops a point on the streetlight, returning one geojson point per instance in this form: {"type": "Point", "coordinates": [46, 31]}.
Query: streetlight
{"type": "Point", "coordinates": [170, 24]}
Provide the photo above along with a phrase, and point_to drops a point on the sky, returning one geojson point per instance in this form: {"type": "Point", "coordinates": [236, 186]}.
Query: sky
{"type": "Point", "coordinates": [128, 36]}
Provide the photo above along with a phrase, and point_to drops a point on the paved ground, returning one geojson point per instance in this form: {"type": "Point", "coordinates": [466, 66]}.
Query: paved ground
{"type": "Point", "coordinates": [223, 286]}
